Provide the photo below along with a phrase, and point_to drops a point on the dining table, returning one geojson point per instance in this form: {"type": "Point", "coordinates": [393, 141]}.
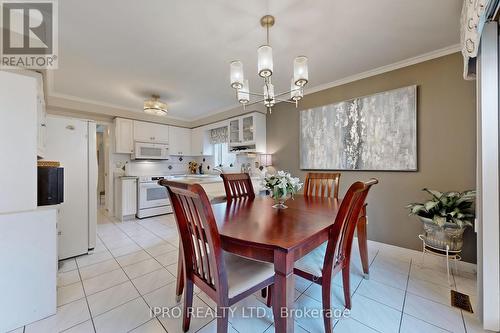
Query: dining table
{"type": "Point", "coordinates": [254, 229]}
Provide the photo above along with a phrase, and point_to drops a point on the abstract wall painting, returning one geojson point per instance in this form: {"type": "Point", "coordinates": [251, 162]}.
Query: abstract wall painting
{"type": "Point", "coordinates": [376, 133]}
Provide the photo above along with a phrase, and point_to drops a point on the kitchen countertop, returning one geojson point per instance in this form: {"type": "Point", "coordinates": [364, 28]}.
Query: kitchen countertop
{"type": "Point", "coordinates": [196, 179]}
{"type": "Point", "coordinates": [201, 179]}
{"type": "Point", "coordinates": [212, 184]}
{"type": "Point", "coordinates": [128, 177]}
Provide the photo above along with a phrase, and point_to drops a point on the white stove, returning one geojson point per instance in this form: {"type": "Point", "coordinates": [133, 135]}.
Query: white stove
{"type": "Point", "coordinates": [152, 198]}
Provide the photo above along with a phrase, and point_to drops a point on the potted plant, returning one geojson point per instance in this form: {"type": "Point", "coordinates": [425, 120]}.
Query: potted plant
{"type": "Point", "coordinates": [282, 187]}
{"type": "Point", "coordinates": [445, 217]}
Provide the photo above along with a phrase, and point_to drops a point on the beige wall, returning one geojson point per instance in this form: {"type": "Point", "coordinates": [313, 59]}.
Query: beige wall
{"type": "Point", "coordinates": [446, 145]}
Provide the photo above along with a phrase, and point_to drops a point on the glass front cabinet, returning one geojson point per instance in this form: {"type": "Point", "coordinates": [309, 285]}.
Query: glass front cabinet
{"type": "Point", "coordinates": [248, 133]}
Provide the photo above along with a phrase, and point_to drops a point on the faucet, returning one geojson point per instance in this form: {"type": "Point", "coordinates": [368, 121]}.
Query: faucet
{"type": "Point", "coordinates": [218, 169]}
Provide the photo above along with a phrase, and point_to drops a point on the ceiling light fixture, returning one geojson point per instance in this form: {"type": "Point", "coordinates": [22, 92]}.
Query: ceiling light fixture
{"type": "Point", "coordinates": [265, 70]}
{"type": "Point", "coordinates": [155, 107]}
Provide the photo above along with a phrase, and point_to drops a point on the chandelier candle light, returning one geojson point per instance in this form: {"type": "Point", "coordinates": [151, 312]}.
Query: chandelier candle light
{"type": "Point", "coordinates": [265, 70]}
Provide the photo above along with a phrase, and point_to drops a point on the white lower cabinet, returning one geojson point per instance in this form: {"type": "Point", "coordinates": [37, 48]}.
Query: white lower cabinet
{"type": "Point", "coordinates": [125, 197]}
{"type": "Point", "coordinates": [28, 262]}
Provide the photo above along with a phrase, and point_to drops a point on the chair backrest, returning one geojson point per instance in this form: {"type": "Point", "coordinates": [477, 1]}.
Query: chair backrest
{"type": "Point", "coordinates": [321, 184]}
{"type": "Point", "coordinates": [238, 185]}
{"type": "Point", "coordinates": [342, 232]}
{"type": "Point", "coordinates": [200, 239]}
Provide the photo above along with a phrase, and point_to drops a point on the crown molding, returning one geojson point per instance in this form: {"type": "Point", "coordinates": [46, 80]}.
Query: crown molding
{"type": "Point", "coordinates": [387, 68]}
{"type": "Point", "coordinates": [84, 104]}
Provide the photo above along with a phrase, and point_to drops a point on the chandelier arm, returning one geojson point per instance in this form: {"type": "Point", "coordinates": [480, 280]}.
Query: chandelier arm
{"type": "Point", "coordinates": [285, 92]}
{"type": "Point", "coordinates": [284, 100]}
{"type": "Point", "coordinates": [256, 102]}
{"type": "Point", "coordinates": [255, 94]}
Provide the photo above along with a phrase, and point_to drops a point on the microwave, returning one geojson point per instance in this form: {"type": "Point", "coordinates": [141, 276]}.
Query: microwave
{"type": "Point", "coordinates": [50, 186]}
{"type": "Point", "coordinates": [150, 151]}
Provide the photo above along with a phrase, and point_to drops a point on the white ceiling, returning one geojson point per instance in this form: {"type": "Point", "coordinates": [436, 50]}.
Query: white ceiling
{"type": "Point", "coordinates": [118, 52]}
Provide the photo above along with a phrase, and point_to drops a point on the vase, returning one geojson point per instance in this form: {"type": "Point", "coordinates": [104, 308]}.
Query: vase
{"type": "Point", "coordinates": [449, 235]}
{"type": "Point", "coordinates": [279, 202]}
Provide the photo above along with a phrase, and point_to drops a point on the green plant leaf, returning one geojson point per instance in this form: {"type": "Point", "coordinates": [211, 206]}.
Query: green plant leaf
{"type": "Point", "coordinates": [435, 194]}
{"type": "Point", "coordinates": [429, 205]}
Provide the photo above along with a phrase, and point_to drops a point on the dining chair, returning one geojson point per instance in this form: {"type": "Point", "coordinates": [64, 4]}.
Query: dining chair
{"type": "Point", "coordinates": [238, 185]}
{"type": "Point", "coordinates": [226, 278]}
{"type": "Point", "coordinates": [333, 256]}
{"type": "Point", "coordinates": [321, 184]}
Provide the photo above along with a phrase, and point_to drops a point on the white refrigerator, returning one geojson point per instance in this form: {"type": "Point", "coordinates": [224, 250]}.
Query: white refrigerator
{"type": "Point", "coordinates": [72, 141]}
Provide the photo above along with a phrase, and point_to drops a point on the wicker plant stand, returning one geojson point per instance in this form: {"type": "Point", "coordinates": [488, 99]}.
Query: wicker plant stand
{"type": "Point", "coordinates": [447, 253]}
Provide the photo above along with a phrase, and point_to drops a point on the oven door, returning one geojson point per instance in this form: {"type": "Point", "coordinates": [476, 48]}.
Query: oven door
{"type": "Point", "coordinates": [150, 151]}
{"type": "Point", "coordinates": [152, 195]}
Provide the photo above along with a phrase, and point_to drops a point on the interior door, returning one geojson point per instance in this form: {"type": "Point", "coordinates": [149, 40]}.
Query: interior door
{"type": "Point", "coordinates": [67, 142]}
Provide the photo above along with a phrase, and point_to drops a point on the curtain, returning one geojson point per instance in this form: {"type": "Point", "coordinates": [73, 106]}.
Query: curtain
{"type": "Point", "coordinates": [474, 14]}
{"type": "Point", "coordinates": [218, 135]}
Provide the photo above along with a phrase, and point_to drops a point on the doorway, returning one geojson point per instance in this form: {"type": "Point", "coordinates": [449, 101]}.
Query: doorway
{"type": "Point", "coordinates": [102, 148]}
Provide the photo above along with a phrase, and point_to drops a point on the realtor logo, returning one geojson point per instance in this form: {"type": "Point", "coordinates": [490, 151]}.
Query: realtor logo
{"type": "Point", "coordinates": [29, 34]}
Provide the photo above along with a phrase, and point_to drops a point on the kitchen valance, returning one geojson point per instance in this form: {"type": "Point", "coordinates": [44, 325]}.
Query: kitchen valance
{"type": "Point", "coordinates": [219, 135]}
{"type": "Point", "coordinates": [474, 15]}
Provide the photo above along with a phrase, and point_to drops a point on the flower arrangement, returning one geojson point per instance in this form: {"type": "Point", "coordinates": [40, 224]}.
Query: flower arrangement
{"type": "Point", "coordinates": [192, 166]}
{"type": "Point", "coordinates": [282, 186]}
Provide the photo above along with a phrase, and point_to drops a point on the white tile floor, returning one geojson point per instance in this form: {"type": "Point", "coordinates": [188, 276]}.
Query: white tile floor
{"type": "Point", "coordinates": [134, 264]}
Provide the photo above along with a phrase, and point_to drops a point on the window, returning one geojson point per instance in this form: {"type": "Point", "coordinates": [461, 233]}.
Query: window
{"type": "Point", "coordinates": [222, 156]}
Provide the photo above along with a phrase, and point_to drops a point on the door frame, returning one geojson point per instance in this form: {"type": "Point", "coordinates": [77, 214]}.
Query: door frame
{"type": "Point", "coordinates": [488, 178]}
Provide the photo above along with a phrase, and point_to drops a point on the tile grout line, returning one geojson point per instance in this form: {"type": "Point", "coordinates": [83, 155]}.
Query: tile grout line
{"type": "Point", "coordinates": [130, 280]}
{"type": "Point", "coordinates": [406, 293]}
{"type": "Point", "coordinates": [85, 294]}
{"type": "Point", "coordinates": [456, 288]}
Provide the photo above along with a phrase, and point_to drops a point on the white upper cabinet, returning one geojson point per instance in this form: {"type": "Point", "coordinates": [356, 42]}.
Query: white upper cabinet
{"type": "Point", "coordinates": [42, 119]}
{"type": "Point", "coordinates": [18, 142]}
{"type": "Point", "coordinates": [151, 132]}
{"type": "Point", "coordinates": [248, 131]}
{"type": "Point", "coordinates": [200, 142]}
{"type": "Point", "coordinates": [124, 136]}
{"type": "Point", "coordinates": [180, 141]}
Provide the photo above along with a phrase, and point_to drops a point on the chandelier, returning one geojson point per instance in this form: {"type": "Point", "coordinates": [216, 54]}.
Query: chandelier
{"type": "Point", "coordinates": [265, 71]}
{"type": "Point", "coordinates": [155, 107]}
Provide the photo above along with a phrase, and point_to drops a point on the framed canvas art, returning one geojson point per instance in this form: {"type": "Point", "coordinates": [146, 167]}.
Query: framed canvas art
{"type": "Point", "coordinates": [376, 132]}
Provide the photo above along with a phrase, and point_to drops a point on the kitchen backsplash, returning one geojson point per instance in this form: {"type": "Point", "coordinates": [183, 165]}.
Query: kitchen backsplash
{"type": "Point", "coordinates": [179, 165]}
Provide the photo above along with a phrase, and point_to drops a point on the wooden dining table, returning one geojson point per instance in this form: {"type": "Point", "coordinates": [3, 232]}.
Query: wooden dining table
{"type": "Point", "coordinates": [254, 229]}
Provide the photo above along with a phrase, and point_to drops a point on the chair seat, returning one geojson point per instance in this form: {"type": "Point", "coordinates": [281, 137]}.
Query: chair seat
{"type": "Point", "coordinates": [243, 273]}
{"type": "Point", "coordinates": [312, 262]}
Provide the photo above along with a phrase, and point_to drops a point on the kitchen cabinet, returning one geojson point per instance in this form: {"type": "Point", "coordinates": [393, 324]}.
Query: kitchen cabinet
{"type": "Point", "coordinates": [29, 267]}
{"type": "Point", "coordinates": [124, 136]}
{"type": "Point", "coordinates": [41, 119]}
{"type": "Point", "coordinates": [151, 132]}
{"type": "Point", "coordinates": [234, 131]}
{"type": "Point", "coordinates": [125, 197]}
{"type": "Point", "coordinates": [18, 142]}
{"type": "Point", "coordinates": [200, 142]}
{"type": "Point", "coordinates": [179, 141]}
{"type": "Point", "coordinates": [248, 131]}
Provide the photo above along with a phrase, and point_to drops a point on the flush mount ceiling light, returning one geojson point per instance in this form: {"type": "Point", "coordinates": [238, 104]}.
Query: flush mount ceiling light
{"type": "Point", "coordinates": [155, 107]}
{"type": "Point", "coordinates": [265, 70]}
